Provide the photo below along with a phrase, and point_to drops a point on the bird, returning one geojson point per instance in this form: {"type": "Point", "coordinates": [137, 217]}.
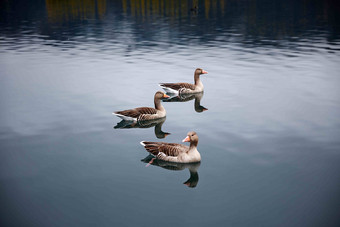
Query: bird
{"type": "Point", "coordinates": [145, 113]}
{"type": "Point", "coordinates": [186, 88]}
{"type": "Point", "coordinates": [173, 152]}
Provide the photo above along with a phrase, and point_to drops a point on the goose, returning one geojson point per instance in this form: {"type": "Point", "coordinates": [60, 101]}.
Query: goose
{"type": "Point", "coordinates": [186, 88]}
{"type": "Point", "coordinates": [173, 152]}
{"type": "Point", "coordinates": [145, 113]}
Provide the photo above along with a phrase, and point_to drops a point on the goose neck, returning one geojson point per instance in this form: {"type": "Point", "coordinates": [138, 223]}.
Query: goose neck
{"type": "Point", "coordinates": [158, 105]}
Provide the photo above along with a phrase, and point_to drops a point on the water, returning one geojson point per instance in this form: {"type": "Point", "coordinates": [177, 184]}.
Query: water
{"type": "Point", "coordinates": [269, 141]}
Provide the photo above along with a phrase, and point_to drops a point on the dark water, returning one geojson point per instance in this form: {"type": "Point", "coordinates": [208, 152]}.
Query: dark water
{"type": "Point", "coordinates": [269, 141]}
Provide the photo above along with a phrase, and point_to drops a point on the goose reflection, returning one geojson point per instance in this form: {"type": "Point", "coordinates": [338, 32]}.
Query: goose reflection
{"type": "Point", "coordinates": [187, 97]}
{"type": "Point", "coordinates": [192, 167]}
{"type": "Point", "coordinates": [157, 123]}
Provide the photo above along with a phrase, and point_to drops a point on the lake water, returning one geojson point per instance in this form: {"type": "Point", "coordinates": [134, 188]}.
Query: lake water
{"type": "Point", "coordinates": [269, 141]}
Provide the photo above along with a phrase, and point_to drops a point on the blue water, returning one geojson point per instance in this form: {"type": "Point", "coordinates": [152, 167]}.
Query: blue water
{"type": "Point", "coordinates": [269, 141]}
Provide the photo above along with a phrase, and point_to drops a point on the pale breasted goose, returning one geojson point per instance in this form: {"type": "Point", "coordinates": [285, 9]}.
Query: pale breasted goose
{"type": "Point", "coordinates": [186, 88]}
{"type": "Point", "coordinates": [145, 113]}
{"type": "Point", "coordinates": [173, 152]}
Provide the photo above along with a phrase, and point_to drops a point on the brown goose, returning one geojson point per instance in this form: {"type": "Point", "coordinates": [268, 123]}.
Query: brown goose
{"type": "Point", "coordinates": [173, 152]}
{"type": "Point", "coordinates": [145, 113]}
{"type": "Point", "coordinates": [186, 88]}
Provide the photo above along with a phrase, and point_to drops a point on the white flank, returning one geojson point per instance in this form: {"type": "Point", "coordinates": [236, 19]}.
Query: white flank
{"type": "Point", "coordinates": [126, 118]}
{"type": "Point", "coordinates": [169, 90]}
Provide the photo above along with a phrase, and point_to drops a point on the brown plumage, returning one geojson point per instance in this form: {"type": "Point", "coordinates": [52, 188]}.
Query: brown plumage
{"type": "Point", "coordinates": [170, 149]}
{"type": "Point", "coordinates": [174, 152]}
{"type": "Point", "coordinates": [134, 113]}
{"type": "Point", "coordinates": [186, 88]}
{"type": "Point", "coordinates": [178, 86]}
{"type": "Point", "coordinates": [145, 113]}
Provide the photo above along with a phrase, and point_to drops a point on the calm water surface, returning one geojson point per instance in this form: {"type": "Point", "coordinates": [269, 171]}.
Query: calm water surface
{"type": "Point", "coordinates": [269, 141]}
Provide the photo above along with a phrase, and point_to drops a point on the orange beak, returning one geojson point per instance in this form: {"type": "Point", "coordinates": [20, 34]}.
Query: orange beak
{"type": "Point", "coordinates": [204, 72]}
{"type": "Point", "coordinates": [166, 96]}
{"type": "Point", "coordinates": [186, 139]}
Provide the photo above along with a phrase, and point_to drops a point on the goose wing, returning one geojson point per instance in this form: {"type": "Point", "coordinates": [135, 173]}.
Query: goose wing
{"type": "Point", "coordinates": [135, 113]}
{"type": "Point", "coordinates": [169, 149]}
{"type": "Point", "coordinates": [178, 86]}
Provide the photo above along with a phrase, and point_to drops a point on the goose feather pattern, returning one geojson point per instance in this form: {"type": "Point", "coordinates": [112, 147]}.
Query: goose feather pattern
{"type": "Point", "coordinates": [186, 88]}
{"type": "Point", "coordinates": [173, 152]}
{"type": "Point", "coordinates": [145, 113]}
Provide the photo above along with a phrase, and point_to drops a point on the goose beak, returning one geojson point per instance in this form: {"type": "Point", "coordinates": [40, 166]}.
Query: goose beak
{"type": "Point", "coordinates": [204, 72]}
{"type": "Point", "coordinates": [186, 139]}
{"type": "Point", "coordinates": [166, 96]}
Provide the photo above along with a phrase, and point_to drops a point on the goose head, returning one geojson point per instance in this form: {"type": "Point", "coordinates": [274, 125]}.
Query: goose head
{"type": "Point", "coordinates": [161, 95]}
{"type": "Point", "coordinates": [200, 71]}
{"type": "Point", "coordinates": [192, 138]}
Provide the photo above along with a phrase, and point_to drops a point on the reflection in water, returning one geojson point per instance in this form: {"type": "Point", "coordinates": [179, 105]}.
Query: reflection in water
{"type": "Point", "coordinates": [159, 21]}
{"type": "Point", "coordinates": [192, 167]}
{"type": "Point", "coordinates": [173, 8]}
{"type": "Point", "coordinates": [66, 63]}
{"type": "Point", "coordinates": [157, 123]}
{"type": "Point", "coordinates": [62, 11]}
{"type": "Point", "coordinates": [250, 17]}
{"type": "Point", "coordinates": [187, 97]}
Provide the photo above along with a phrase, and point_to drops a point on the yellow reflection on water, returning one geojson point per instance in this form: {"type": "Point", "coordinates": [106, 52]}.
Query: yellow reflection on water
{"type": "Point", "coordinates": [65, 10]}
{"type": "Point", "coordinates": [59, 11]}
{"type": "Point", "coordinates": [171, 8]}
{"type": "Point", "coordinates": [207, 8]}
